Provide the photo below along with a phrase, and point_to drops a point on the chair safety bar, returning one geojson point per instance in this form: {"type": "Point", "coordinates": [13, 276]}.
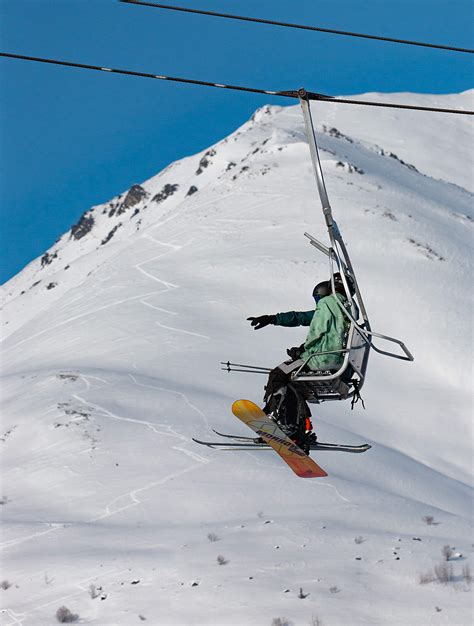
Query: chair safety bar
{"type": "Point", "coordinates": [365, 335]}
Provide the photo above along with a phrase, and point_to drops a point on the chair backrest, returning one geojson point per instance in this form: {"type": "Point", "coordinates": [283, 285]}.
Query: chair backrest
{"type": "Point", "coordinates": [359, 350]}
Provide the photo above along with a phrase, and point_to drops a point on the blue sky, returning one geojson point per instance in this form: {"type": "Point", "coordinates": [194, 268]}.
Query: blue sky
{"type": "Point", "coordinates": [72, 138]}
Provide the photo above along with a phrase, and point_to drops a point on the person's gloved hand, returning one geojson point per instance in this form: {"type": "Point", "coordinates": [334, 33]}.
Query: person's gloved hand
{"type": "Point", "coordinates": [295, 353]}
{"type": "Point", "coordinates": [262, 321]}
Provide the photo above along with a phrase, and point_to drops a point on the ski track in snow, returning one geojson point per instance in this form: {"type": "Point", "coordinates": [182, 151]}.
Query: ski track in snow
{"type": "Point", "coordinates": [180, 330]}
{"type": "Point", "coordinates": [110, 510]}
{"type": "Point", "coordinates": [169, 285]}
{"type": "Point", "coordinates": [158, 429]}
{"type": "Point", "coordinates": [53, 329]}
{"type": "Point", "coordinates": [20, 540]}
{"type": "Point", "coordinates": [158, 308]}
{"type": "Point", "coordinates": [178, 393]}
{"type": "Point", "coordinates": [331, 486]}
{"type": "Point", "coordinates": [85, 378]}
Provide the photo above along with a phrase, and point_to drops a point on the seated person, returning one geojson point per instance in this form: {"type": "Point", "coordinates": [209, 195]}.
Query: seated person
{"type": "Point", "coordinates": [321, 351]}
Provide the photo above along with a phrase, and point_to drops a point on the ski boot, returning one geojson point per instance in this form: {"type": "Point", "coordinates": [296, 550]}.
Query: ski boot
{"type": "Point", "coordinates": [304, 436]}
{"type": "Point", "coordinates": [308, 440]}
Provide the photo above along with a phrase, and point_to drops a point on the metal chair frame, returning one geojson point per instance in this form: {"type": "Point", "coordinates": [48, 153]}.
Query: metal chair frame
{"type": "Point", "coordinates": [331, 386]}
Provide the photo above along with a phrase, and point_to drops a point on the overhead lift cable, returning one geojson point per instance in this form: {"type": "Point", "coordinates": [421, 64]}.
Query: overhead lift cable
{"type": "Point", "coordinates": [287, 94]}
{"type": "Point", "coordinates": [299, 26]}
{"type": "Point", "coordinates": [99, 68]}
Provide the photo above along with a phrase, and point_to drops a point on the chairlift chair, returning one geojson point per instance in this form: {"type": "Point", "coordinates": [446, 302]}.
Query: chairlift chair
{"type": "Point", "coordinates": [322, 385]}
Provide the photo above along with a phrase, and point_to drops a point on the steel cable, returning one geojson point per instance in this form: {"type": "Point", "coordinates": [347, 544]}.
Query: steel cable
{"type": "Point", "coordinates": [287, 94]}
{"type": "Point", "coordinates": [298, 26]}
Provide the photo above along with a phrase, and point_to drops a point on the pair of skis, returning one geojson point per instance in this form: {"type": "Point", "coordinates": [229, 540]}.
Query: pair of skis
{"type": "Point", "coordinates": [273, 437]}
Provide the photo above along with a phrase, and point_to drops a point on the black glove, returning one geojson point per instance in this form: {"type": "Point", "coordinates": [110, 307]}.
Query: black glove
{"type": "Point", "coordinates": [262, 321]}
{"type": "Point", "coordinates": [295, 353]}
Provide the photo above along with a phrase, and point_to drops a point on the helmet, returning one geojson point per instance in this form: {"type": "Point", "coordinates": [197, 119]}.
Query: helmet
{"type": "Point", "coordinates": [322, 290]}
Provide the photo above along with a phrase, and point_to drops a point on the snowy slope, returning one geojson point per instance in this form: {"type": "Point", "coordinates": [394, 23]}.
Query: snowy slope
{"type": "Point", "coordinates": [111, 351]}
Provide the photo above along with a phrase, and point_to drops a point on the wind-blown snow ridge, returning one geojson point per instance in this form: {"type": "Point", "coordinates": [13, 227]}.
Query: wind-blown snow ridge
{"type": "Point", "coordinates": [111, 348]}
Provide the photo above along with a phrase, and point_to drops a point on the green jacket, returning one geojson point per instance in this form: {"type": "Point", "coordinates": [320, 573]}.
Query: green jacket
{"type": "Point", "coordinates": [327, 328]}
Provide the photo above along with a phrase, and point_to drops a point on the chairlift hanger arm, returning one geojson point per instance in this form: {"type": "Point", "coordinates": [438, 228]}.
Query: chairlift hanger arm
{"type": "Point", "coordinates": [313, 148]}
{"type": "Point", "coordinates": [337, 252]}
{"type": "Point", "coordinates": [343, 261]}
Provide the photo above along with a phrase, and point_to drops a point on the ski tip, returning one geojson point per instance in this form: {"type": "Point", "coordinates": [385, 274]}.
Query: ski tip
{"type": "Point", "coordinates": [242, 403]}
{"type": "Point", "coordinates": [203, 443]}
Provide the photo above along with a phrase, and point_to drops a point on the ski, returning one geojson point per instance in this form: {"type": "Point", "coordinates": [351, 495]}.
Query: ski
{"type": "Point", "coordinates": [253, 444]}
{"type": "Point", "coordinates": [234, 437]}
{"type": "Point", "coordinates": [319, 445]}
{"type": "Point", "coordinates": [233, 445]}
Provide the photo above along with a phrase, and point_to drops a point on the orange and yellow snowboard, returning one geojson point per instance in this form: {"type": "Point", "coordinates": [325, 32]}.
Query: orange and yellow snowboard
{"type": "Point", "coordinates": [262, 425]}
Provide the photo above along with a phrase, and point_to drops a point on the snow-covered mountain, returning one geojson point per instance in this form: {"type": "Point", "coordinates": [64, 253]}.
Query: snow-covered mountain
{"type": "Point", "coordinates": [111, 348]}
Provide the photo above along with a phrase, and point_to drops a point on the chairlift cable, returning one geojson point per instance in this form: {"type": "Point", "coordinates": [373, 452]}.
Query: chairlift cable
{"type": "Point", "coordinates": [144, 74]}
{"type": "Point", "coordinates": [286, 94]}
{"type": "Point", "coordinates": [330, 31]}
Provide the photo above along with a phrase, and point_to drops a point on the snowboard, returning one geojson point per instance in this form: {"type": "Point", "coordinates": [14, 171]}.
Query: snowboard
{"type": "Point", "coordinates": [252, 415]}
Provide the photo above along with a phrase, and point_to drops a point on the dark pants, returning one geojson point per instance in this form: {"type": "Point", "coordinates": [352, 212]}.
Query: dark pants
{"type": "Point", "coordinates": [283, 401]}
{"type": "Point", "coordinates": [276, 379]}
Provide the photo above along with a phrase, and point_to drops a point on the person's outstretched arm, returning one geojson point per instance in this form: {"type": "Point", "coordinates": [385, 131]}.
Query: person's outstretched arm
{"type": "Point", "coordinates": [294, 318]}
{"type": "Point", "coordinates": [290, 318]}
